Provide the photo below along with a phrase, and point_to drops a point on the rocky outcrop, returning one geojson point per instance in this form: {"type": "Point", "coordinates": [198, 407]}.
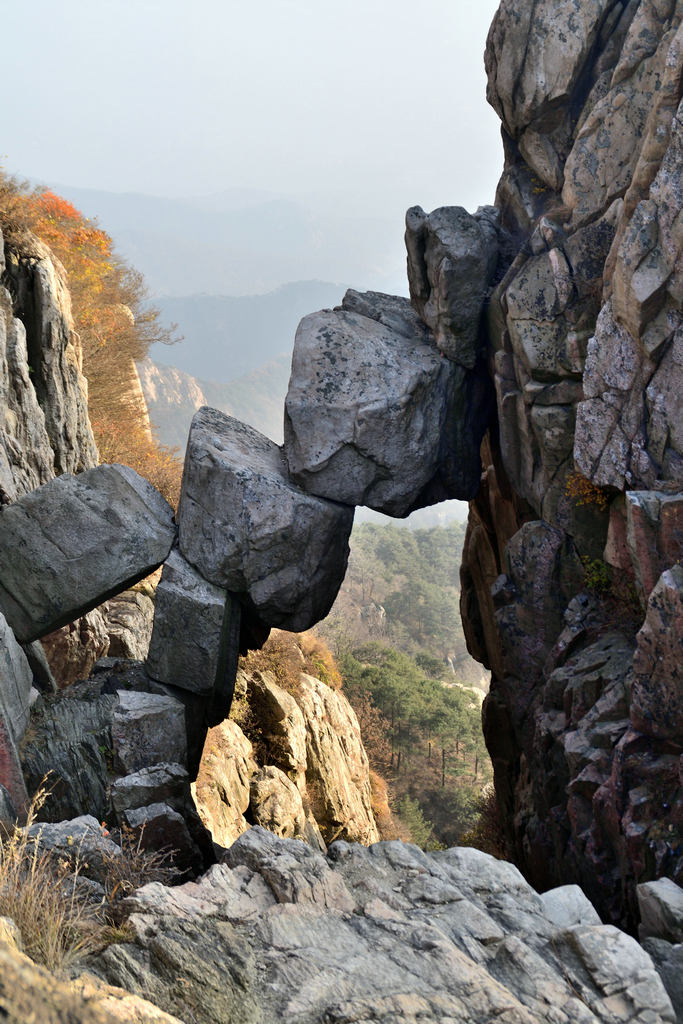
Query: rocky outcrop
{"type": "Point", "coordinates": [304, 776]}
{"type": "Point", "coordinates": [115, 748]}
{"type": "Point", "coordinates": [45, 429]}
{"type": "Point", "coordinates": [571, 585]}
{"type": "Point", "coordinates": [389, 933]}
{"type": "Point", "coordinates": [374, 416]}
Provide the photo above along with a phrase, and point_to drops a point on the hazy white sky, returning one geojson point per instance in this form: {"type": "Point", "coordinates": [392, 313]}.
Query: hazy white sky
{"type": "Point", "coordinates": [376, 101]}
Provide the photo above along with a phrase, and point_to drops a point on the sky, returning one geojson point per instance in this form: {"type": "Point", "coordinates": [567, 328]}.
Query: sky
{"type": "Point", "coordinates": [371, 103]}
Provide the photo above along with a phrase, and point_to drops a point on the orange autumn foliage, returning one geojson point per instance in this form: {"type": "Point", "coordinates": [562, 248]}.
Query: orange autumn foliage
{"type": "Point", "coordinates": [115, 324]}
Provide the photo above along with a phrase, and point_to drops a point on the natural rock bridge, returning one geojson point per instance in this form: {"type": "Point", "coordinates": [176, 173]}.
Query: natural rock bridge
{"type": "Point", "coordinates": [387, 407]}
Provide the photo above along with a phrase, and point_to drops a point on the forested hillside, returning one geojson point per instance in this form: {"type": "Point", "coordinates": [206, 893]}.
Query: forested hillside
{"type": "Point", "coordinates": [402, 589]}
{"type": "Point", "coordinates": [396, 631]}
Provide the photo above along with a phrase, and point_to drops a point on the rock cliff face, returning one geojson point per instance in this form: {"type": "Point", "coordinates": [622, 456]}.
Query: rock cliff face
{"type": "Point", "coordinates": [305, 776]}
{"type": "Point", "coordinates": [571, 578]}
{"type": "Point", "coordinates": [45, 428]}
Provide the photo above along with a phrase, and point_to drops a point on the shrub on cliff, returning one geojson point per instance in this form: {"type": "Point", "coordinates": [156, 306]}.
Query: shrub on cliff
{"type": "Point", "coordinates": [115, 323]}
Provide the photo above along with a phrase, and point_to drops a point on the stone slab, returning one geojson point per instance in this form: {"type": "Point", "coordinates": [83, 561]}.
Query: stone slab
{"type": "Point", "coordinates": [71, 544]}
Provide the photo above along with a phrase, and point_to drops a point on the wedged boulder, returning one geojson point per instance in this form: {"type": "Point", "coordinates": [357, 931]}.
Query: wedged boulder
{"type": "Point", "coordinates": [247, 528]}
{"type": "Point", "coordinates": [657, 696]}
{"type": "Point", "coordinates": [375, 415]}
{"type": "Point", "coordinates": [69, 545]}
{"type": "Point", "coordinates": [195, 637]}
{"type": "Point", "coordinates": [452, 257]}
{"type": "Point", "coordinates": [148, 729]}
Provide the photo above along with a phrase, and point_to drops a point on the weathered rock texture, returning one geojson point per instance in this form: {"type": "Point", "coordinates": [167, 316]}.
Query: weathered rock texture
{"type": "Point", "coordinates": [575, 537]}
{"type": "Point", "coordinates": [374, 415]}
{"type": "Point", "coordinates": [29, 992]}
{"type": "Point", "coordinates": [247, 528]}
{"type": "Point", "coordinates": [304, 776]}
{"type": "Point", "coordinates": [76, 540]}
{"type": "Point", "coordinates": [386, 934]}
{"type": "Point", "coordinates": [115, 748]}
{"type": "Point", "coordinates": [45, 428]}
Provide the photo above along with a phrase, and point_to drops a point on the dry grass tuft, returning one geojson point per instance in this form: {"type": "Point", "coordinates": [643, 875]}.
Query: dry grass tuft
{"type": "Point", "coordinates": [286, 655]}
{"type": "Point", "coordinates": [38, 891]}
{"type": "Point", "coordinates": [133, 867]}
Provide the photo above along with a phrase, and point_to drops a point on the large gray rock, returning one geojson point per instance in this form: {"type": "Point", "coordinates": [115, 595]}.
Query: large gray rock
{"type": "Point", "coordinates": [385, 934]}
{"type": "Point", "coordinates": [159, 827]}
{"type": "Point", "coordinates": [70, 738]}
{"type": "Point", "coordinates": [162, 783]}
{"type": "Point", "coordinates": [661, 910]}
{"type": "Point", "coordinates": [452, 256]}
{"type": "Point", "coordinates": [375, 415]}
{"type": "Point", "coordinates": [247, 528]}
{"type": "Point", "coordinates": [72, 543]}
{"type": "Point", "coordinates": [148, 729]}
{"type": "Point", "coordinates": [194, 639]}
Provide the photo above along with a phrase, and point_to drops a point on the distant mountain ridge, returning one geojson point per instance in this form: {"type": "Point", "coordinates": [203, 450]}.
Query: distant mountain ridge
{"type": "Point", "coordinates": [244, 242]}
{"type": "Point", "coordinates": [173, 396]}
{"type": "Point", "coordinates": [227, 336]}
